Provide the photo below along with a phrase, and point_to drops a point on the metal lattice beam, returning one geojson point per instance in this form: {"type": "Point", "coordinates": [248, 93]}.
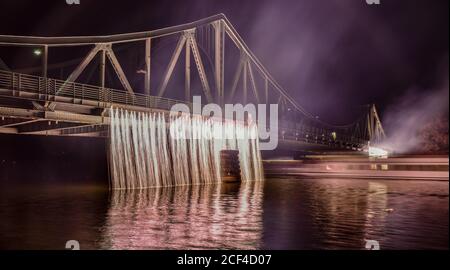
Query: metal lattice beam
{"type": "Point", "coordinates": [236, 78]}
{"type": "Point", "coordinates": [200, 67]}
{"type": "Point", "coordinates": [253, 82]}
{"type": "Point", "coordinates": [171, 66]}
{"type": "Point", "coordinates": [118, 68]}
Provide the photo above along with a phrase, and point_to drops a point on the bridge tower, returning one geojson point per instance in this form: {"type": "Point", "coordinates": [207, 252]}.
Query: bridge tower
{"type": "Point", "coordinates": [374, 127]}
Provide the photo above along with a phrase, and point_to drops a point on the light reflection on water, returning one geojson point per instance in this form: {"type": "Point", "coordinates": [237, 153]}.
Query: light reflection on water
{"type": "Point", "coordinates": [282, 213]}
{"type": "Point", "coordinates": [189, 217]}
{"type": "Point", "coordinates": [343, 213]}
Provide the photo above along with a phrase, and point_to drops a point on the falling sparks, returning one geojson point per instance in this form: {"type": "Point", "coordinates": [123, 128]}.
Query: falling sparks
{"type": "Point", "coordinates": [148, 151]}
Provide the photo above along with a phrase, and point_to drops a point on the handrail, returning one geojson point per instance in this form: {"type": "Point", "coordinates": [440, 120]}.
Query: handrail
{"type": "Point", "coordinates": [54, 87]}
{"type": "Point", "coordinates": [60, 88]}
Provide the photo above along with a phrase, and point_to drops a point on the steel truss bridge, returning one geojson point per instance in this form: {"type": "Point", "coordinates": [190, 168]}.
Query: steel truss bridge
{"type": "Point", "coordinates": [73, 106]}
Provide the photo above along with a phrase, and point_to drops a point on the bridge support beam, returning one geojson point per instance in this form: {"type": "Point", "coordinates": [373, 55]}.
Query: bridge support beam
{"type": "Point", "coordinates": [200, 67]}
{"type": "Point", "coordinates": [102, 66]}
{"type": "Point", "coordinates": [118, 68]}
{"type": "Point", "coordinates": [171, 66]}
{"type": "Point", "coordinates": [187, 72]}
{"type": "Point", "coordinates": [219, 51]}
{"type": "Point", "coordinates": [44, 61]}
{"type": "Point", "coordinates": [244, 83]}
{"type": "Point", "coordinates": [79, 69]}
{"type": "Point", "coordinates": [374, 128]}
{"type": "Point", "coordinates": [253, 82]}
{"type": "Point", "coordinates": [236, 78]}
{"type": "Point", "coordinates": [266, 90]}
{"type": "Point", "coordinates": [148, 44]}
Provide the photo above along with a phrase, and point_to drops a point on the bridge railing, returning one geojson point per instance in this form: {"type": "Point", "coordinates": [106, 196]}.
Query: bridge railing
{"type": "Point", "coordinates": [47, 89]}
{"type": "Point", "coordinates": [311, 135]}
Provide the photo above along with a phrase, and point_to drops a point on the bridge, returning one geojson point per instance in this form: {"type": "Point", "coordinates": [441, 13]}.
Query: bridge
{"type": "Point", "coordinates": [44, 100]}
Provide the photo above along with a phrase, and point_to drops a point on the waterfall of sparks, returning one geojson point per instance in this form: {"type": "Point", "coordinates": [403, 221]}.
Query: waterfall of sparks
{"type": "Point", "coordinates": [148, 150]}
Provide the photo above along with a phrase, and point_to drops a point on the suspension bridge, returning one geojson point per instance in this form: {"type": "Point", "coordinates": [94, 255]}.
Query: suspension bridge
{"type": "Point", "coordinates": [62, 99]}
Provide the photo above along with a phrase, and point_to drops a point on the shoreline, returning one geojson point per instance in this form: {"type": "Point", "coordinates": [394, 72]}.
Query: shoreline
{"type": "Point", "coordinates": [408, 168]}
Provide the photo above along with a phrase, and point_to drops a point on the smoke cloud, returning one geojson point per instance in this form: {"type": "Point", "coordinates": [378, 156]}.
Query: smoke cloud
{"type": "Point", "coordinates": [418, 120]}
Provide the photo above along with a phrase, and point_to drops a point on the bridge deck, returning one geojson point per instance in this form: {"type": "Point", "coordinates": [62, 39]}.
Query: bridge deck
{"type": "Point", "coordinates": [83, 110]}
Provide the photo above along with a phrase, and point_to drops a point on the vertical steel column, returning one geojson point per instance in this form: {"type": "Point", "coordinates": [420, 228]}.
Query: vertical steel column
{"type": "Point", "coordinates": [44, 61]}
{"type": "Point", "coordinates": [102, 68]}
{"type": "Point", "coordinates": [266, 90]}
{"type": "Point", "coordinates": [187, 72]}
{"type": "Point", "coordinates": [219, 50]}
{"type": "Point", "coordinates": [244, 82]}
{"type": "Point", "coordinates": [44, 74]}
{"type": "Point", "coordinates": [148, 44]}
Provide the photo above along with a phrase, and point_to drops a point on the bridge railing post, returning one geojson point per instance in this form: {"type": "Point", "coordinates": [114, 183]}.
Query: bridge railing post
{"type": "Point", "coordinates": [13, 81]}
{"type": "Point", "coordinates": [19, 83]}
{"type": "Point", "coordinates": [45, 90]}
{"type": "Point", "coordinates": [38, 90]}
{"type": "Point", "coordinates": [51, 83]}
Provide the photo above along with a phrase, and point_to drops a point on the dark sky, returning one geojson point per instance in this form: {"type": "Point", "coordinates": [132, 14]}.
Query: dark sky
{"type": "Point", "coordinates": [332, 55]}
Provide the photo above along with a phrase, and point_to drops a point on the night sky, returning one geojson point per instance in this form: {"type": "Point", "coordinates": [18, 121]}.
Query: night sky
{"type": "Point", "coordinates": [333, 56]}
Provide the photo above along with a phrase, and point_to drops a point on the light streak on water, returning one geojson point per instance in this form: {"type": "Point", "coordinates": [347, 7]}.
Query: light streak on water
{"type": "Point", "coordinates": [228, 216]}
{"type": "Point", "coordinates": [146, 150]}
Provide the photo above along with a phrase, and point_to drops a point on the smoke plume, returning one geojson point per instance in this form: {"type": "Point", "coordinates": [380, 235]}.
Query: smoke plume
{"type": "Point", "coordinates": [418, 121]}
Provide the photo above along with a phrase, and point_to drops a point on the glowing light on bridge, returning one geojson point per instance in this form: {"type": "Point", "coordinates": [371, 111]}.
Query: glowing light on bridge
{"type": "Point", "coordinates": [377, 152]}
{"type": "Point", "coordinates": [37, 52]}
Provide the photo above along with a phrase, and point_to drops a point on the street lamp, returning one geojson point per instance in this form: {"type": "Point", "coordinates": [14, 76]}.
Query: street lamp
{"type": "Point", "coordinates": [37, 52]}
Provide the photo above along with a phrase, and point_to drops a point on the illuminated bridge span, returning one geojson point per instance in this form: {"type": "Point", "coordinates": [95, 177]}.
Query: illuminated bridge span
{"type": "Point", "coordinates": [33, 101]}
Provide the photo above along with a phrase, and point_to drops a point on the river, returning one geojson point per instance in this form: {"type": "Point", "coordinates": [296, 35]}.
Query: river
{"type": "Point", "coordinates": [283, 212]}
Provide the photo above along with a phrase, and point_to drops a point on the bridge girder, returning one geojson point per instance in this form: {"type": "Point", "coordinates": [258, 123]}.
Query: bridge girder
{"type": "Point", "coordinates": [249, 70]}
{"type": "Point", "coordinates": [222, 28]}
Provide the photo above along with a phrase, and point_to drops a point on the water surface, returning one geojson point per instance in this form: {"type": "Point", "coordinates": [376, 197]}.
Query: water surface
{"type": "Point", "coordinates": [281, 213]}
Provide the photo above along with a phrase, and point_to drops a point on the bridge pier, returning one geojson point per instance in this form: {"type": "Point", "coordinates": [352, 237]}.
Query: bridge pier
{"type": "Point", "coordinates": [230, 167]}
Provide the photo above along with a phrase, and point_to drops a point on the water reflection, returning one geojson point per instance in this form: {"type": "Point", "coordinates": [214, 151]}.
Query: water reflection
{"type": "Point", "coordinates": [377, 211]}
{"type": "Point", "coordinates": [344, 213]}
{"type": "Point", "coordinates": [281, 213]}
{"type": "Point", "coordinates": [227, 216]}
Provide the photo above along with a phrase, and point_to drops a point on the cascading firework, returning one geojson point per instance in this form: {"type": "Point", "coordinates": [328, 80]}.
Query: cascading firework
{"type": "Point", "coordinates": [152, 150]}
